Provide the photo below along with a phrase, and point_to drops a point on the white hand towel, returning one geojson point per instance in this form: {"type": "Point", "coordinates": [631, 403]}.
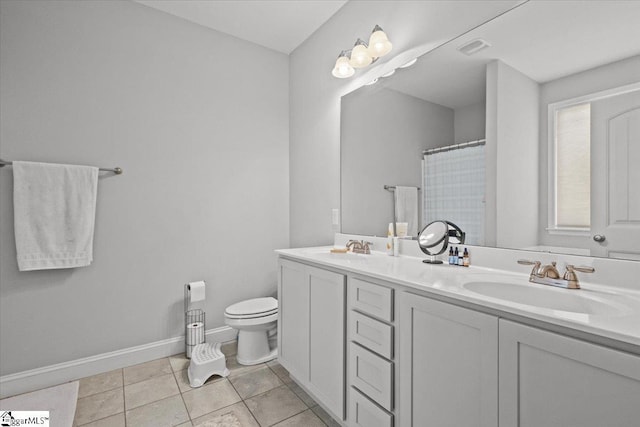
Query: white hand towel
{"type": "Point", "coordinates": [55, 209]}
{"type": "Point", "coordinates": [407, 208]}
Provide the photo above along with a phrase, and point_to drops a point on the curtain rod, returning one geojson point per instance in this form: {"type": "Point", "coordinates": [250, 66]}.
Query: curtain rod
{"type": "Point", "coordinates": [116, 170]}
{"type": "Point", "coordinates": [453, 147]}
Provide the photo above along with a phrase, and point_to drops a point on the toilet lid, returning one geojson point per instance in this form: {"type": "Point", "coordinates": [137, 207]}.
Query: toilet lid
{"type": "Point", "coordinates": [253, 307]}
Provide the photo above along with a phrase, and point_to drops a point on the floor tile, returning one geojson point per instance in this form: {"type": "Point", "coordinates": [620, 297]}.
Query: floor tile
{"type": "Point", "coordinates": [179, 362]}
{"type": "Point", "coordinates": [144, 371]}
{"type": "Point", "coordinates": [255, 382]}
{"type": "Point", "coordinates": [99, 383]}
{"type": "Point", "coordinates": [306, 419]}
{"type": "Point", "coordinates": [237, 369]}
{"type": "Point", "coordinates": [275, 405]}
{"type": "Point", "coordinates": [147, 391]}
{"type": "Point", "coordinates": [183, 380]}
{"type": "Point", "coordinates": [231, 416]}
{"type": "Point", "coordinates": [209, 398]}
{"type": "Point", "coordinates": [230, 348]}
{"type": "Point", "coordinates": [280, 371]}
{"type": "Point", "coordinates": [308, 400]}
{"type": "Point", "coordinates": [326, 418]}
{"type": "Point", "coordinates": [99, 405]}
{"type": "Point", "coordinates": [112, 421]}
{"type": "Point", "coordinates": [168, 412]}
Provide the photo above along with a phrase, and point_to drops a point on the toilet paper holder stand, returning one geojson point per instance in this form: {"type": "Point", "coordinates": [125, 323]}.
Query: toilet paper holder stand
{"type": "Point", "coordinates": [194, 324]}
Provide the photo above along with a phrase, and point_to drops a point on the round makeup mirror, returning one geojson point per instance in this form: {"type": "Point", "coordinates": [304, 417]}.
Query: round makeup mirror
{"type": "Point", "coordinates": [435, 237]}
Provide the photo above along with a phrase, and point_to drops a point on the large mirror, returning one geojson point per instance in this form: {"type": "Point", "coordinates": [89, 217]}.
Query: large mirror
{"type": "Point", "coordinates": [524, 131]}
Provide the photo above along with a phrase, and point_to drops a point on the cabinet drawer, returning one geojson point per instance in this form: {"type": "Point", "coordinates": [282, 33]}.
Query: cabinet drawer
{"type": "Point", "coordinates": [371, 299]}
{"type": "Point", "coordinates": [364, 413]}
{"type": "Point", "coordinates": [372, 375]}
{"type": "Point", "coordinates": [371, 333]}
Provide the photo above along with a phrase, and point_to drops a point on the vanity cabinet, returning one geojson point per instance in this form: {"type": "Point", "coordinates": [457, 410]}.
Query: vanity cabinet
{"type": "Point", "coordinates": [311, 330]}
{"type": "Point", "coordinates": [371, 354]}
{"type": "Point", "coordinates": [448, 368]}
{"type": "Point", "coordinates": [399, 357]}
{"type": "Point", "coordinates": [547, 379]}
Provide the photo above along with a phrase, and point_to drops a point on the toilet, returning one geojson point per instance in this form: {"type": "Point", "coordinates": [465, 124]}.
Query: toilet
{"type": "Point", "coordinates": [255, 319]}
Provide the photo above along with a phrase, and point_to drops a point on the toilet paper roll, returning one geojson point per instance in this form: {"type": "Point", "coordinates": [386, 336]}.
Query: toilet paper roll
{"type": "Point", "coordinates": [196, 291]}
{"type": "Point", "coordinates": [195, 333]}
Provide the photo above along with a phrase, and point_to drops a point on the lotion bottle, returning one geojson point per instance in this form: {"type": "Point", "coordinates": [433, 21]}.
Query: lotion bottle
{"type": "Point", "coordinates": [465, 258]}
{"type": "Point", "coordinates": [390, 241]}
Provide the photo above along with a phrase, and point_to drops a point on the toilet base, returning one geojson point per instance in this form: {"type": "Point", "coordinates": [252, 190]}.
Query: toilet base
{"type": "Point", "coordinates": [254, 348]}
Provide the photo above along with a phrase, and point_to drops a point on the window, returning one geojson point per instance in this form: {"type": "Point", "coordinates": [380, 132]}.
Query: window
{"type": "Point", "coordinates": [571, 152]}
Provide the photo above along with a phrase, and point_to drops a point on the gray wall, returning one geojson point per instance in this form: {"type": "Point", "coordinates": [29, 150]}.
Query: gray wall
{"type": "Point", "coordinates": [383, 133]}
{"type": "Point", "coordinates": [512, 157]}
{"type": "Point", "coordinates": [469, 122]}
{"type": "Point", "coordinates": [315, 93]}
{"type": "Point", "coordinates": [199, 122]}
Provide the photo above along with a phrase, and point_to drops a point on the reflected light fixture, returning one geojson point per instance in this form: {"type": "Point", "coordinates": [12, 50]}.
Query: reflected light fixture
{"type": "Point", "coordinates": [362, 54]}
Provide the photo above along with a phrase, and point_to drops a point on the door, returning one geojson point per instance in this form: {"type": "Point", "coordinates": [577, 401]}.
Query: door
{"type": "Point", "coordinates": [615, 176]}
{"type": "Point", "coordinates": [448, 365]}
{"type": "Point", "coordinates": [549, 380]}
{"type": "Point", "coordinates": [327, 338]}
{"type": "Point", "coordinates": [293, 318]}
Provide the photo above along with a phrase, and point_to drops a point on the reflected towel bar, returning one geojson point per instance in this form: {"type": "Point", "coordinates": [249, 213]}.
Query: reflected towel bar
{"type": "Point", "coordinates": [117, 171]}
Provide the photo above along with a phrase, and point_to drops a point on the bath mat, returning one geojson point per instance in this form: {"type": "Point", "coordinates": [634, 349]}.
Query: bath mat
{"type": "Point", "coordinates": [60, 401]}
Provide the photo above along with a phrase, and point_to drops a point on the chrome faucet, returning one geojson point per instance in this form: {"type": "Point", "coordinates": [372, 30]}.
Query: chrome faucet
{"type": "Point", "coordinates": [549, 275]}
{"type": "Point", "coordinates": [359, 247]}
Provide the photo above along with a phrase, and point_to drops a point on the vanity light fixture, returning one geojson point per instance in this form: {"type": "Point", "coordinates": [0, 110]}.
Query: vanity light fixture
{"type": "Point", "coordinates": [362, 54]}
{"type": "Point", "coordinates": [343, 69]}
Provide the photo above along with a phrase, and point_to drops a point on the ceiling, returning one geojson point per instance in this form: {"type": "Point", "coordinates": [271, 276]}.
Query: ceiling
{"type": "Point", "coordinates": [281, 25]}
{"type": "Point", "coordinates": [541, 39]}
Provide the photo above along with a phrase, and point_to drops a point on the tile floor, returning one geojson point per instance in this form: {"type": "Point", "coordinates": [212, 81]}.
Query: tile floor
{"type": "Point", "coordinates": [157, 393]}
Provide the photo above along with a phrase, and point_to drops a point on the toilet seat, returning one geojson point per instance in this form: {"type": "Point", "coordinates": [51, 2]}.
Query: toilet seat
{"type": "Point", "coordinates": [252, 308]}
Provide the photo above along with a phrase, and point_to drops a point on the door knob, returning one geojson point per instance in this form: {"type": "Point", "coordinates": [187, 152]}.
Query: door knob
{"type": "Point", "coordinates": [599, 238]}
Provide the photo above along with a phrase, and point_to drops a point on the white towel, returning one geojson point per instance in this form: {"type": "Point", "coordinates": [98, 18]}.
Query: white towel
{"type": "Point", "coordinates": [407, 208]}
{"type": "Point", "coordinates": [55, 209]}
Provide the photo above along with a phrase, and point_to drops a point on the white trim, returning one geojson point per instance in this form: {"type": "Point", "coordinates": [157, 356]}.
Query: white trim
{"type": "Point", "coordinates": [47, 376]}
{"type": "Point", "coordinates": [560, 231]}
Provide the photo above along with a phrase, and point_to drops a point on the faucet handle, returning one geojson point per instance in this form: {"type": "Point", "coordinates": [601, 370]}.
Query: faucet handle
{"type": "Point", "coordinates": [583, 269]}
{"type": "Point", "coordinates": [572, 278]}
{"type": "Point", "coordinates": [536, 265]}
{"type": "Point", "coordinates": [527, 262]}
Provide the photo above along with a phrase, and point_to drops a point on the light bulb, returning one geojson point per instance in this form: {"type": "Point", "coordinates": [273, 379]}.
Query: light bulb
{"type": "Point", "coordinates": [343, 69]}
{"type": "Point", "coordinates": [379, 44]}
{"type": "Point", "coordinates": [360, 56]}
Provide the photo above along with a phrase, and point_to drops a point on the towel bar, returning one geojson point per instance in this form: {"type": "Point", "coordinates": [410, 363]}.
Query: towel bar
{"type": "Point", "coordinates": [117, 171]}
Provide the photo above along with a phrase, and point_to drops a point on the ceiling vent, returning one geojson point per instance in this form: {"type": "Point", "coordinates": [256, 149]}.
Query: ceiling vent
{"type": "Point", "coordinates": [473, 46]}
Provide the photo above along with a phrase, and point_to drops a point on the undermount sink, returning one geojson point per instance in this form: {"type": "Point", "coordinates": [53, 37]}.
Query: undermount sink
{"type": "Point", "coordinates": [573, 301]}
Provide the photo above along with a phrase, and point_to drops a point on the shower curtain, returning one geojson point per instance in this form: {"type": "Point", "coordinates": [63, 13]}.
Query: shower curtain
{"type": "Point", "coordinates": [454, 185]}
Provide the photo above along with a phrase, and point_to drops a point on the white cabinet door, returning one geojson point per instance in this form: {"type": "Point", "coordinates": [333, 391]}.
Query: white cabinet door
{"type": "Point", "coordinates": [448, 368]}
{"type": "Point", "coordinates": [293, 318]}
{"type": "Point", "coordinates": [549, 380]}
{"type": "Point", "coordinates": [311, 331]}
{"type": "Point", "coordinates": [327, 338]}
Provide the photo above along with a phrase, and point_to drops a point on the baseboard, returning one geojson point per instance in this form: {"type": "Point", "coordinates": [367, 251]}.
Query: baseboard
{"type": "Point", "coordinates": [47, 376]}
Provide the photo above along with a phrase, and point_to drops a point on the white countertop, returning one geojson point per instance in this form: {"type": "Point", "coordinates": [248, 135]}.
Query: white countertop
{"type": "Point", "coordinates": [604, 311]}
